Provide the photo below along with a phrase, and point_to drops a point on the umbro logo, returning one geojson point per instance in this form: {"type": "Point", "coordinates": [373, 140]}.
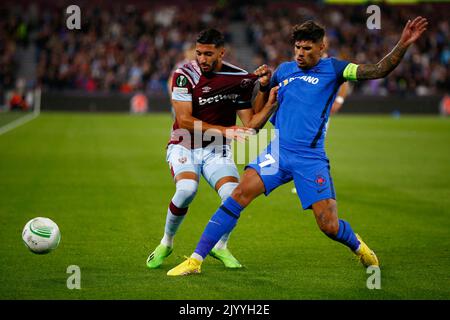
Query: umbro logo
{"type": "Point", "coordinates": [206, 89]}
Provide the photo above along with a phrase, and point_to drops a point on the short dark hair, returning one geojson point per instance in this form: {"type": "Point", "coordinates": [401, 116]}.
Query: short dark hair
{"type": "Point", "coordinates": [308, 30]}
{"type": "Point", "coordinates": [211, 36]}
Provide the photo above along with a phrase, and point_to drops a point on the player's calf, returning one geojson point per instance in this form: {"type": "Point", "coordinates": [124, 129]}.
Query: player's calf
{"type": "Point", "coordinates": [339, 230]}
{"type": "Point", "coordinates": [329, 226]}
{"type": "Point", "coordinates": [186, 190]}
{"type": "Point", "coordinates": [225, 188]}
{"type": "Point", "coordinates": [325, 212]}
{"type": "Point", "coordinates": [178, 207]}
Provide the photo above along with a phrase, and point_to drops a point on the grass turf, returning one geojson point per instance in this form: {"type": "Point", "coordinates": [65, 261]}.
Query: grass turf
{"type": "Point", "coordinates": [104, 180]}
{"type": "Point", "coordinates": [9, 117]}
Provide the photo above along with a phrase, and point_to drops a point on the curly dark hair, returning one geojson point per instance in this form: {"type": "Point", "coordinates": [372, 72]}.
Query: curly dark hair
{"type": "Point", "coordinates": [211, 36]}
{"type": "Point", "coordinates": [308, 30]}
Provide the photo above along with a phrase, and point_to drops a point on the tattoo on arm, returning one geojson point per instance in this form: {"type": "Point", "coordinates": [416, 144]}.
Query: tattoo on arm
{"type": "Point", "coordinates": [384, 67]}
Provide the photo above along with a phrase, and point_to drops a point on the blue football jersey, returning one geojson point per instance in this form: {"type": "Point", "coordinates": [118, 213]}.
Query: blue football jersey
{"type": "Point", "coordinates": [305, 98]}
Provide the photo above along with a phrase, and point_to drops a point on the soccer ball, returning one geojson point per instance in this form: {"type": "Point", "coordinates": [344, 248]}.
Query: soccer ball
{"type": "Point", "coordinates": [41, 235]}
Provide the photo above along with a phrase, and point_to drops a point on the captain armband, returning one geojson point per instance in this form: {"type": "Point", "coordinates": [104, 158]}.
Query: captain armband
{"type": "Point", "coordinates": [350, 72]}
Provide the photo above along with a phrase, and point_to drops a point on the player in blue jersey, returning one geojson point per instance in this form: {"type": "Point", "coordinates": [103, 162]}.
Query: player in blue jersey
{"type": "Point", "coordinates": [307, 88]}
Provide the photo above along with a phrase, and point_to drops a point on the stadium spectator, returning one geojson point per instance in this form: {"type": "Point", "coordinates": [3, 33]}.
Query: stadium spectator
{"type": "Point", "coordinates": [444, 106]}
{"type": "Point", "coordinates": [18, 102]}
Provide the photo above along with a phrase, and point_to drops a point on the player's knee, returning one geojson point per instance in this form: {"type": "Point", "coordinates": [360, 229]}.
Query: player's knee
{"type": "Point", "coordinates": [186, 190]}
{"type": "Point", "coordinates": [330, 228]}
{"type": "Point", "coordinates": [326, 217]}
{"type": "Point", "coordinates": [241, 196]}
{"type": "Point", "coordinates": [226, 190]}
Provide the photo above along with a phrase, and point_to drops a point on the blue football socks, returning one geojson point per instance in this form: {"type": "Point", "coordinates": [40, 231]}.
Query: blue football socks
{"type": "Point", "coordinates": [222, 222]}
{"type": "Point", "coordinates": [346, 235]}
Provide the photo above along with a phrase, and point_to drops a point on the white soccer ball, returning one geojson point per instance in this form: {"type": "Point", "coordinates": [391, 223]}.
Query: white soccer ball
{"type": "Point", "coordinates": [41, 235]}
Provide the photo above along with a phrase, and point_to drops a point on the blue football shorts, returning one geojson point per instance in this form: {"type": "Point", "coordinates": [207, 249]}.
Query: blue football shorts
{"type": "Point", "coordinates": [309, 168]}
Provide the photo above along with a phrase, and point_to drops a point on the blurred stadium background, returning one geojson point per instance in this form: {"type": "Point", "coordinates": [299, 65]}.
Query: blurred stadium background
{"type": "Point", "coordinates": [100, 172]}
{"type": "Point", "coordinates": [128, 48]}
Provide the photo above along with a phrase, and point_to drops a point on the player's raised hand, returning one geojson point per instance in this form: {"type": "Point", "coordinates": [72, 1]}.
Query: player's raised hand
{"type": "Point", "coordinates": [264, 73]}
{"type": "Point", "coordinates": [238, 133]}
{"type": "Point", "coordinates": [413, 30]}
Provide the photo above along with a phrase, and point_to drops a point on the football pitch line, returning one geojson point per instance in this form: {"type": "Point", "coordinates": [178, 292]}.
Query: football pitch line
{"type": "Point", "coordinates": [22, 120]}
{"type": "Point", "coordinates": [18, 122]}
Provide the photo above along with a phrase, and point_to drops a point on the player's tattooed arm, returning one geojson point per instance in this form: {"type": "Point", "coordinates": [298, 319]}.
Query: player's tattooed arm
{"type": "Point", "coordinates": [384, 67]}
{"type": "Point", "coordinates": [412, 31]}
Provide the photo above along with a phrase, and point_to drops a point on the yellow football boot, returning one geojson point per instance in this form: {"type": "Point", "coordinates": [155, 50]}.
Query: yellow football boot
{"type": "Point", "coordinates": [365, 254]}
{"type": "Point", "coordinates": [190, 266]}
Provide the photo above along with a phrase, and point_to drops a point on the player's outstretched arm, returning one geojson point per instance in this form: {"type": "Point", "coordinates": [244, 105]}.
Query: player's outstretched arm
{"type": "Point", "coordinates": [256, 121]}
{"type": "Point", "coordinates": [412, 31]}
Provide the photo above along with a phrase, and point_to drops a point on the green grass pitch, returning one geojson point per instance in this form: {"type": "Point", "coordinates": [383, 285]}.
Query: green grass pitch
{"type": "Point", "coordinates": [103, 178]}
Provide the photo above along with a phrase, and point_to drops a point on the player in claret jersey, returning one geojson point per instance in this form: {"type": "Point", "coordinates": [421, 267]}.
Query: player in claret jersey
{"type": "Point", "coordinates": [207, 94]}
{"type": "Point", "coordinates": [307, 89]}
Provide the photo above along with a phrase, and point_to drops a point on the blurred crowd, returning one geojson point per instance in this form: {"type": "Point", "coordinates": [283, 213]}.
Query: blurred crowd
{"type": "Point", "coordinates": [424, 70]}
{"type": "Point", "coordinates": [9, 37]}
{"type": "Point", "coordinates": [120, 49]}
{"type": "Point", "coordinates": [133, 47]}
